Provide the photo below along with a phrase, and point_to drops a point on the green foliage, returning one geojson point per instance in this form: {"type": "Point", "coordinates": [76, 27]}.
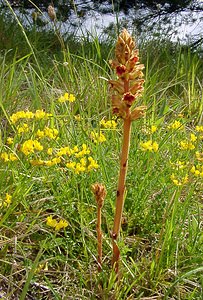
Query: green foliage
{"type": "Point", "coordinates": [162, 241]}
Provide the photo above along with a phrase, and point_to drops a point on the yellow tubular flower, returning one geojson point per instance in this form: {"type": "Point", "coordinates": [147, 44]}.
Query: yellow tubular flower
{"type": "Point", "coordinates": [199, 128]}
{"type": "Point", "coordinates": [49, 151]}
{"type": "Point", "coordinates": [30, 146]}
{"type": "Point", "coordinates": [186, 145]}
{"type": "Point", "coordinates": [193, 137]}
{"type": "Point", "coordinates": [153, 128]}
{"type": "Point", "coordinates": [179, 182]}
{"type": "Point", "coordinates": [9, 141]}
{"type": "Point", "coordinates": [12, 157]}
{"type": "Point", "coordinates": [97, 137]}
{"type": "Point", "coordinates": [149, 146]}
{"type": "Point", "coordinates": [176, 125]}
{"type": "Point", "coordinates": [110, 124]}
{"type": "Point", "coordinates": [4, 156]}
{"type": "Point", "coordinates": [8, 199]}
{"type": "Point", "coordinates": [51, 222]}
{"type": "Point", "coordinates": [92, 164]}
{"type": "Point", "coordinates": [61, 224]}
{"type": "Point", "coordinates": [23, 128]}
{"type": "Point", "coordinates": [21, 115]}
{"type": "Point", "coordinates": [66, 97]}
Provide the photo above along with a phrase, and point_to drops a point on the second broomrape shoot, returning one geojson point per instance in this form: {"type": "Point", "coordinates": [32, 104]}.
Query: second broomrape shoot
{"type": "Point", "coordinates": [125, 90]}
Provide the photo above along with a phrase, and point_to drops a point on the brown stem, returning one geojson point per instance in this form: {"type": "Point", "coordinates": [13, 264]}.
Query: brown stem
{"type": "Point", "coordinates": [121, 190]}
{"type": "Point", "coordinates": [99, 238]}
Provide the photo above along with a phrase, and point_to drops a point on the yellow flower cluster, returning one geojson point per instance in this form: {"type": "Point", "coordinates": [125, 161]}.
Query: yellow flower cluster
{"type": "Point", "coordinates": [57, 225]}
{"type": "Point", "coordinates": [39, 114]}
{"type": "Point", "coordinates": [84, 164]}
{"type": "Point", "coordinates": [176, 125]}
{"type": "Point", "coordinates": [110, 124]}
{"type": "Point", "coordinates": [6, 201]}
{"type": "Point", "coordinates": [179, 165]}
{"type": "Point", "coordinates": [23, 128]}
{"type": "Point", "coordinates": [179, 181]}
{"type": "Point", "coordinates": [149, 146]}
{"type": "Point", "coordinates": [41, 153]}
{"type": "Point", "coordinates": [199, 156]}
{"type": "Point", "coordinates": [30, 146]}
{"type": "Point", "coordinates": [49, 163]}
{"type": "Point", "coordinates": [153, 129]}
{"type": "Point", "coordinates": [188, 144]}
{"type": "Point", "coordinates": [197, 170]}
{"type": "Point", "coordinates": [199, 128]}
{"type": "Point", "coordinates": [6, 157]}
{"type": "Point", "coordinates": [51, 133]}
{"type": "Point", "coordinates": [9, 141]}
{"type": "Point", "coordinates": [66, 97]}
{"type": "Point", "coordinates": [97, 137]}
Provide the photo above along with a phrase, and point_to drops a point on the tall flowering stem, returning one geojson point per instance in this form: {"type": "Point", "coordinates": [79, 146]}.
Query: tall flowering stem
{"type": "Point", "coordinates": [127, 87]}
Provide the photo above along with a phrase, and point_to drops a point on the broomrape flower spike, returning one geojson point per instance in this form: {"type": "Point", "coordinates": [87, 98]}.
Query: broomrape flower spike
{"type": "Point", "coordinates": [125, 90]}
{"type": "Point", "coordinates": [99, 192]}
{"type": "Point", "coordinates": [51, 12]}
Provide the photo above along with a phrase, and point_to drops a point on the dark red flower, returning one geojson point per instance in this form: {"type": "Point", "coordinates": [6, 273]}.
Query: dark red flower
{"type": "Point", "coordinates": [128, 98]}
{"type": "Point", "coordinates": [120, 70]}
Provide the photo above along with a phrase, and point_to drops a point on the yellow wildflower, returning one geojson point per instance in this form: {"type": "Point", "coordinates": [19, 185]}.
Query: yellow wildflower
{"type": "Point", "coordinates": [79, 168]}
{"type": "Point", "coordinates": [179, 165]}
{"type": "Point", "coordinates": [51, 222]}
{"type": "Point", "coordinates": [9, 141]}
{"type": "Point", "coordinates": [7, 200]}
{"type": "Point", "coordinates": [179, 182]}
{"type": "Point", "coordinates": [197, 170]}
{"type": "Point", "coordinates": [193, 137]}
{"type": "Point", "coordinates": [23, 128]}
{"type": "Point", "coordinates": [64, 151]}
{"type": "Point", "coordinates": [21, 115]}
{"type": "Point", "coordinates": [153, 128]}
{"type": "Point", "coordinates": [40, 133]}
{"type": "Point", "coordinates": [49, 151]}
{"type": "Point", "coordinates": [110, 124]}
{"type": "Point", "coordinates": [66, 97]}
{"type": "Point", "coordinates": [30, 146]}
{"type": "Point", "coordinates": [12, 157]}
{"type": "Point", "coordinates": [61, 224]}
{"type": "Point", "coordinates": [97, 137]}
{"type": "Point", "coordinates": [71, 165]}
{"type": "Point", "coordinates": [199, 128]}
{"type": "Point", "coordinates": [40, 114]}
{"type": "Point", "coordinates": [186, 145]}
{"type": "Point", "coordinates": [149, 146]}
{"type": "Point", "coordinates": [85, 150]}
{"type": "Point", "coordinates": [199, 156]}
{"type": "Point", "coordinates": [92, 164]}
{"type": "Point", "coordinates": [4, 156]}
{"type": "Point", "coordinates": [52, 133]}
{"type": "Point", "coordinates": [176, 125]}
{"type": "Point", "coordinates": [56, 225]}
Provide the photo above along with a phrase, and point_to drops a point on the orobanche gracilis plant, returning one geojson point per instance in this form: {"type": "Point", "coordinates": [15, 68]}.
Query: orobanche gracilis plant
{"type": "Point", "coordinates": [127, 87]}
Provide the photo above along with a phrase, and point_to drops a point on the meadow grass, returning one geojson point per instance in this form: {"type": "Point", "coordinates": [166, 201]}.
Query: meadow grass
{"type": "Point", "coordinates": [48, 212]}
